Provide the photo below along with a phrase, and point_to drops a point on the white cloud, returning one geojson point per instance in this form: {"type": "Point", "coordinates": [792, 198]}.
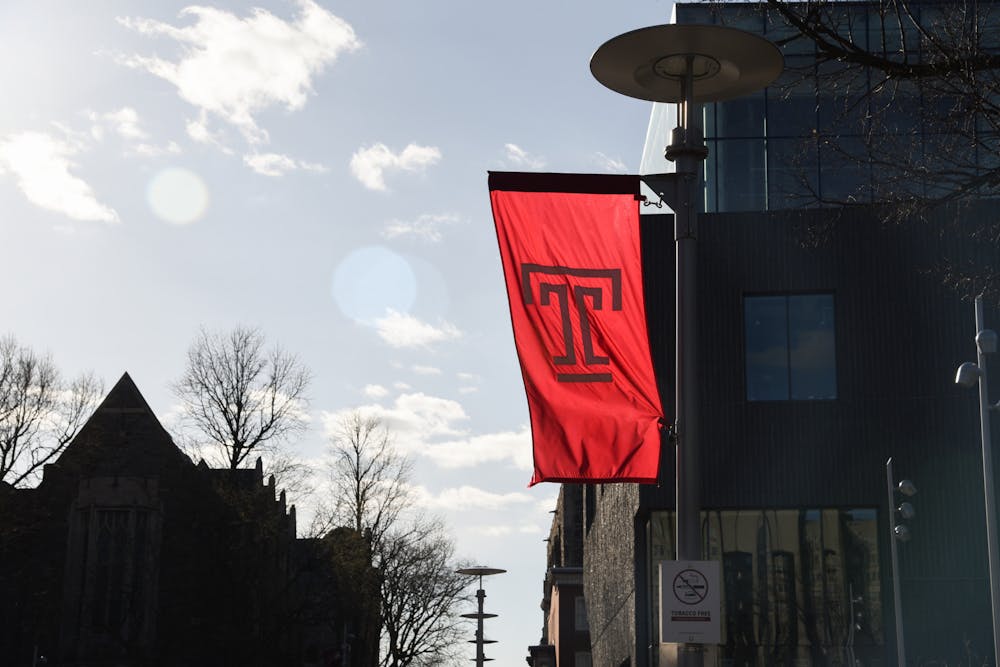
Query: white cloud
{"type": "Point", "coordinates": [519, 157]}
{"type": "Point", "coordinates": [425, 370]}
{"type": "Point", "coordinates": [401, 330]}
{"type": "Point", "coordinates": [470, 380]}
{"type": "Point", "coordinates": [375, 391]}
{"type": "Point", "coordinates": [610, 164]}
{"type": "Point", "coordinates": [547, 505]}
{"type": "Point", "coordinates": [465, 498]}
{"type": "Point", "coordinates": [426, 227]}
{"type": "Point", "coordinates": [508, 446]}
{"type": "Point", "coordinates": [414, 420]}
{"type": "Point", "coordinates": [401, 386]}
{"type": "Point", "coordinates": [274, 164]}
{"type": "Point", "coordinates": [233, 67]}
{"type": "Point", "coordinates": [504, 530]}
{"type": "Point", "coordinates": [151, 150]}
{"type": "Point", "coordinates": [370, 164]}
{"type": "Point", "coordinates": [125, 124]}
{"type": "Point", "coordinates": [436, 428]}
{"type": "Point", "coordinates": [43, 168]}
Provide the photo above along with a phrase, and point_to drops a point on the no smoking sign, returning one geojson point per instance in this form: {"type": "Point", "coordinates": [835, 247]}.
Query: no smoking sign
{"type": "Point", "coordinates": [690, 587]}
{"type": "Point", "coordinates": [690, 604]}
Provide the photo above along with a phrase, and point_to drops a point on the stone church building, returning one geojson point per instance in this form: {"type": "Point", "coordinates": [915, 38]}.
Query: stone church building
{"type": "Point", "coordinates": [129, 554]}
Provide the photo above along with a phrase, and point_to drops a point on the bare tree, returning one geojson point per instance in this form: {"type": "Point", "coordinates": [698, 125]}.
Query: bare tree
{"type": "Point", "coordinates": [419, 590]}
{"type": "Point", "coordinates": [421, 593]}
{"type": "Point", "coordinates": [369, 477]}
{"type": "Point", "coordinates": [240, 397]}
{"type": "Point", "coordinates": [40, 412]}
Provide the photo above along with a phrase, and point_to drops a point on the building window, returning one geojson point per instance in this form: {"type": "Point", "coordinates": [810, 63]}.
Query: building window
{"type": "Point", "coordinates": [790, 347]}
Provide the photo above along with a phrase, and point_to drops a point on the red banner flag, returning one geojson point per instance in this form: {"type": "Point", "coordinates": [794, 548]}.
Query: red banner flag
{"type": "Point", "coordinates": [570, 250]}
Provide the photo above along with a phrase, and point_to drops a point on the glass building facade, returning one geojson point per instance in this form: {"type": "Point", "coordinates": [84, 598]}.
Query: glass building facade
{"type": "Point", "coordinates": [800, 587]}
{"type": "Point", "coordinates": [818, 135]}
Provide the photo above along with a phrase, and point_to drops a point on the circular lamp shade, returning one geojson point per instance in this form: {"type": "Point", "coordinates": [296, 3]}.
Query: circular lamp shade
{"type": "Point", "coordinates": [651, 63]}
{"type": "Point", "coordinates": [480, 571]}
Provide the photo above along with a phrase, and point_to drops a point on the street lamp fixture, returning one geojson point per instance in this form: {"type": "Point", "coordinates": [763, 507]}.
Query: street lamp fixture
{"type": "Point", "coordinates": [480, 641]}
{"type": "Point", "coordinates": [688, 65]}
{"type": "Point", "coordinates": [969, 374]}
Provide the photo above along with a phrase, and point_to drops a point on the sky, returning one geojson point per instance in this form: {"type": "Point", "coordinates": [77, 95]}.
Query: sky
{"type": "Point", "coordinates": [316, 169]}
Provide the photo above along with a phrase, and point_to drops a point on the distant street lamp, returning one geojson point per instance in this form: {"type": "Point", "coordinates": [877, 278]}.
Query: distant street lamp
{"type": "Point", "coordinates": [968, 374]}
{"type": "Point", "coordinates": [480, 641]}
{"type": "Point", "coordinates": [901, 532]}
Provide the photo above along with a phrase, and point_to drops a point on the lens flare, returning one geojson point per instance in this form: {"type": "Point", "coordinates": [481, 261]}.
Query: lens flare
{"type": "Point", "coordinates": [178, 196]}
{"type": "Point", "coordinates": [371, 281]}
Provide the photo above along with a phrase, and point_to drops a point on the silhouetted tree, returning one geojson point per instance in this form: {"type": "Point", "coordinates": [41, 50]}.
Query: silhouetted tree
{"type": "Point", "coordinates": [40, 412]}
{"type": "Point", "coordinates": [369, 478]}
{"type": "Point", "coordinates": [419, 590]}
{"type": "Point", "coordinates": [239, 397]}
{"type": "Point", "coordinates": [421, 593]}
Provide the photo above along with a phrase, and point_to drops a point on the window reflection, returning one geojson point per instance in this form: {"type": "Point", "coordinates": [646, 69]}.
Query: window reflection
{"type": "Point", "coordinates": [766, 348]}
{"type": "Point", "coordinates": [737, 167]}
{"type": "Point", "coordinates": [791, 580]}
{"type": "Point", "coordinates": [811, 346]}
{"type": "Point", "coordinates": [790, 347]}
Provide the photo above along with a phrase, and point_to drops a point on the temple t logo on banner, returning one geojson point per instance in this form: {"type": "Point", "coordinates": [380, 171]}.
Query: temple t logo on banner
{"type": "Point", "coordinates": [575, 307]}
{"type": "Point", "coordinates": [572, 263]}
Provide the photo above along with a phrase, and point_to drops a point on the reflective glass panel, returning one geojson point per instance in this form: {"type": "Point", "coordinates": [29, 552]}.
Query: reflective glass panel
{"type": "Point", "coordinates": [766, 324]}
{"type": "Point", "coordinates": [811, 347]}
{"type": "Point", "coordinates": [791, 102]}
{"type": "Point", "coordinates": [742, 117]}
{"type": "Point", "coordinates": [790, 347]}
{"type": "Point", "coordinates": [792, 173]}
{"type": "Point", "coordinates": [739, 171]}
{"type": "Point", "coordinates": [790, 579]}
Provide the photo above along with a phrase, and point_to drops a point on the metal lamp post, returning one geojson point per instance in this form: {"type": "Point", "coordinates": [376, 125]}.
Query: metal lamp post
{"type": "Point", "coordinates": [688, 65]}
{"type": "Point", "coordinates": [968, 374]}
{"type": "Point", "coordinates": [901, 533]}
{"type": "Point", "coordinates": [480, 641]}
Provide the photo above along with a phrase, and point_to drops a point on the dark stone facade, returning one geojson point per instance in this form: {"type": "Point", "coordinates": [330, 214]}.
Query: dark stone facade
{"type": "Point", "coordinates": [128, 554]}
{"type": "Point", "coordinates": [565, 631]}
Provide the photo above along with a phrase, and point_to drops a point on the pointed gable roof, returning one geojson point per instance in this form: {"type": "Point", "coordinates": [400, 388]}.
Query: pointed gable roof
{"type": "Point", "coordinates": [122, 437]}
{"type": "Point", "coordinates": [125, 396]}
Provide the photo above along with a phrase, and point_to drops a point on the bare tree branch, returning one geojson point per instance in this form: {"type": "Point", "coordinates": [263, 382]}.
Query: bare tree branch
{"type": "Point", "coordinates": [370, 483]}
{"type": "Point", "coordinates": [39, 412]}
{"type": "Point", "coordinates": [240, 397]}
{"type": "Point", "coordinates": [421, 593]}
{"type": "Point", "coordinates": [369, 478]}
{"type": "Point", "coordinates": [905, 102]}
